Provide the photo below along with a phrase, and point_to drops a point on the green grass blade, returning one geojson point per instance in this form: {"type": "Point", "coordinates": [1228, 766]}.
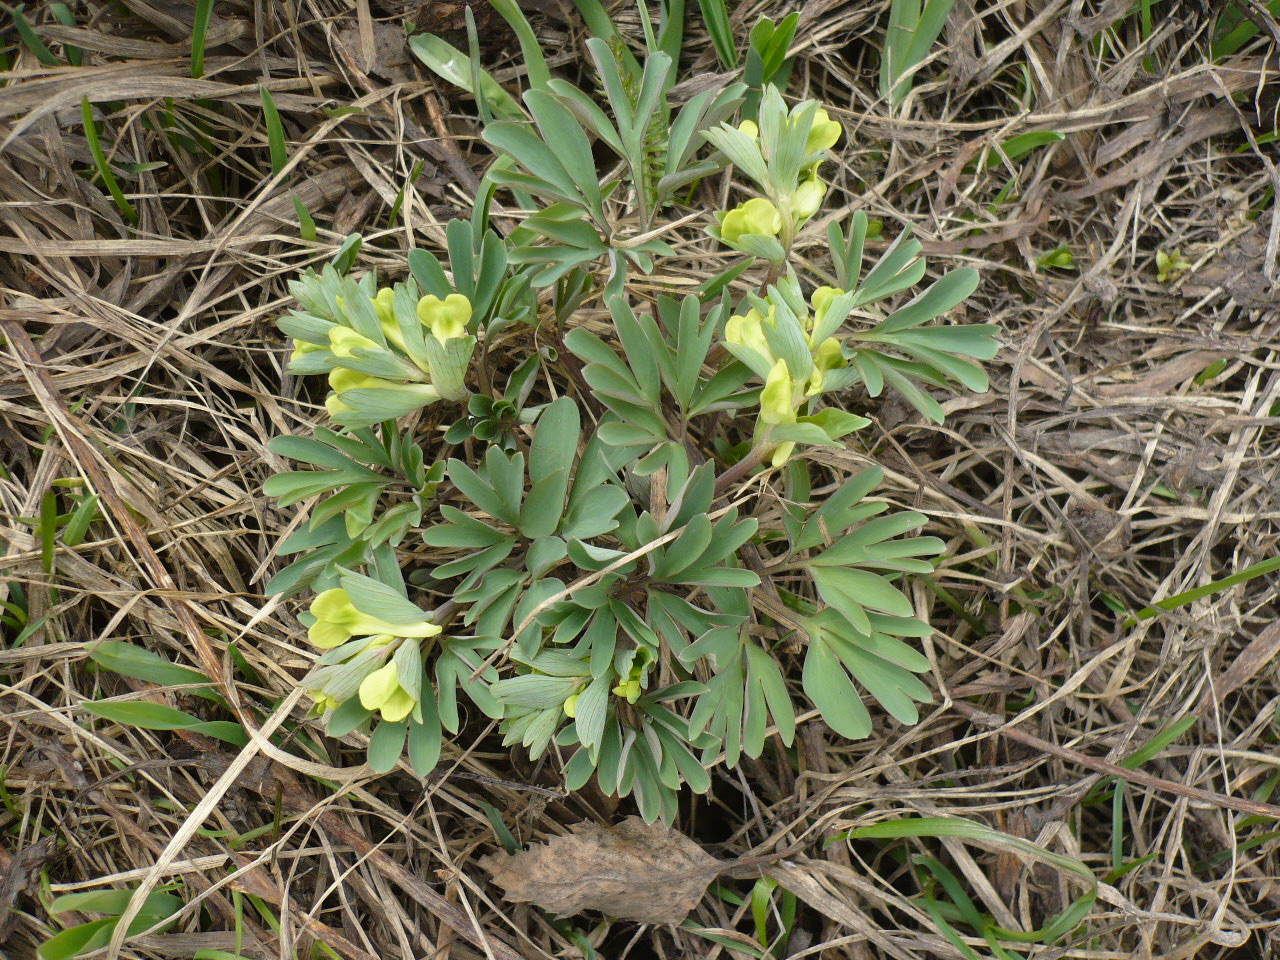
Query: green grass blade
{"type": "Point", "coordinates": [535, 63]}
{"type": "Point", "coordinates": [1198, 593]}
{"type": "Point", "coordinates": [62, 13]}
{"type": "Point", "coordinates": [911, 32]}
{"type": "Point", "coordinates": [306, 224]}
{"type": "Point", "coordinates": [275, 132]}
{"type": "Point", "coordinates": [451, 64]}
{"type": "Point", "coordinates": [199, 34]}
{"type": "Point", "coordinates": [597, 20]}
{"type": "Point", "coordinates": [1228, 42]}
{"type": "Point", "coordinates": [477, 85]}
{"type": "Point", "coordinates": [1055, 927]}
{"type": "Point", "coordinates": [400, 194]}
{"type": "Point", "coordinates": [100, 162]}
{"type": "Point", "coordinates": [715, 16]}
{"type": "Point", "coordinates": [29, 38]}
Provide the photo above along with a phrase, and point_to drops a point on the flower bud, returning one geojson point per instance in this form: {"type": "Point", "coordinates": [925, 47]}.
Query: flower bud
{"type": "Point", "coordinates": [826, 357]}
{"type": "Point", "coordinates": [302, 347]}
{"type": "Point", "coordinates": [807, 198]}
{"type": "Point", "coordinates": [344, 342]}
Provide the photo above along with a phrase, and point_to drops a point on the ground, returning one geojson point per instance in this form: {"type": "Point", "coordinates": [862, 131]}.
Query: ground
{"type": "Point", "coordinates": [1111, 505]}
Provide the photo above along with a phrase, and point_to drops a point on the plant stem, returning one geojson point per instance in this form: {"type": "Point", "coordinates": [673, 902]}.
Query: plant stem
{"type": "Point", "coordinates": [753, 459]}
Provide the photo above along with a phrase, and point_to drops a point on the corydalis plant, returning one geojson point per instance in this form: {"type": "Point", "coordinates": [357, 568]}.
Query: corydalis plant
{"type": "Point", "coordinates": [623, 543]}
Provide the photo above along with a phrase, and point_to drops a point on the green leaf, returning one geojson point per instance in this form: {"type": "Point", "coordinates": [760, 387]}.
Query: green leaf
{"type": "Point", "coordinates": [31, 40]}
{"type": "Point", "coordinates": [843, 588]}
{"type": "Point", "coordinates": [743, 151]}
{"type": "Point", "coordinates": [379, 600]}
{"type": "Point", "coordinates": [540, 514]}
{"type": "Point", "coordinates": [588, 114]}
{"type": "Point", "coordinates": [897, 269]}
{"type": "Point", "coordinates": [911, 32]}
{"type": "Point", "coordinates": [835, 423]}
{"type": "Point", "coordinates": [141, 714]}
{"type": "Point", "coordinates": [535, 64]}
{"type": "Point", "coordinates": [555, 442]}
{"type": "Point", "coordinates": [455, 66]}
{"type": "Point", "coordinates": [461, 530]}
{"type": "Point", "coordinates": [828, 686]}
{"type": "Point", "coordinates": [130, 660]}
{"type": "Point", "coordinates": [559, 126]}
{"type": "Point", "coordinates": [641, 357]}
{"type": "Point", "coordinates": [386, 745]}
{"type": "Point", "coordinates": [592, 711]}
{"type": "Point", "coordinates": [526, 149]}
{"type": "Point", "coordinates": [80, 939]}
{"type": "Point", "coordinates": [479, 492]}
{"type": "Point", "coordinates": [100, 163]}
{"type": "Point", "coordinates": [1023, 143]}
{"type": "Point", "coordinates": [115, 902]}
{"type": "Point", "coordinates": [77, 527]}
{"type": "Point", "coordinates": [199, 35]}
{"type": "Point", "coordinates": [535, 691]}
{"type": "Point", "coordinates": [425, 739]}
{"type": "Point", "coordinates": [936, 300]}
{"type": "Point", "coordinates": [346, 717]}
{"type": "Point", "coordinates": [594, 513]}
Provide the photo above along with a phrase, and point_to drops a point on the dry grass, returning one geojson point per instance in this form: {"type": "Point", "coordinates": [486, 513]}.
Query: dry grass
{"type": "Point", "coordinates": [1101, 471]}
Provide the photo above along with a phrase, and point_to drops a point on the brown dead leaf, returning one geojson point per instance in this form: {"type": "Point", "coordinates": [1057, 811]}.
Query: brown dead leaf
{"type": "Point", "coordinates": [1260, 651]}
{"type": "Point", "coordinates": [21, 874]}
{"type": "Point", "coordinates": [632, 871]}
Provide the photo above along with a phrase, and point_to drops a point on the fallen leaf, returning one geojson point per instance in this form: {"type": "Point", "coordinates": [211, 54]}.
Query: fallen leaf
{"type": "Point", "coordinates": [21, 874]}
{"type": "Point", "coordinates": [631, 871]}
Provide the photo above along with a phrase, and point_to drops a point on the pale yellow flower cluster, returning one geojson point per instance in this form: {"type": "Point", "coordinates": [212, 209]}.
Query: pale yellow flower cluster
{"type": "Point", "coordinates": [783, 394]}
{"type": "Point", "coordinates": [762, 217]}
{"type": "Point", "coordinates": [337, 621]}
{"type": "Point", "coordinates": [442, 319]}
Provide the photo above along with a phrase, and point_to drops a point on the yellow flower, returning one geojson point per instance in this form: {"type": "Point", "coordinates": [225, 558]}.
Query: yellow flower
{"type": "Point", "coordinates": [447, 318]}
{"type": "Point", "coordinates": [824, 133]}
{"type": "Point", "coordinates": [777, 406]}
{"type": "Point", "coordinates": [629, 689]}
{"type": "Point", "coordinates": [338, 620]}
{"type": "Point", "coordinates": [342, 379]}
{"type": "Point", "coordinates": [749, 128]}
{"type": "Point", "coordinates": [323, 702]}
{"type": "Point", "coordinates": [571, 707]}
{"type": "Point", "coordinates": [807, 198]}
{"type": "Point", "coordinates": [777, 398]}
{"type": "Point", "coordinates": [383, 306]}
{"type": "Point", "coordinates": [344, 341]}
{"type": "Point", "coordinates": [336, 408]}
{"type": "Point", "coordinates": [381, 691]}
{"type": "Point", "coordinates": [826, 357]}
{"type": "Point", "coordinates": [302, 347]}
{"type": "Point", "coordinates": [748, 331]}
{"type": "Point", "coordinates": [820, 301]}
{"type": "Point", "coordinates": [757, 216]}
